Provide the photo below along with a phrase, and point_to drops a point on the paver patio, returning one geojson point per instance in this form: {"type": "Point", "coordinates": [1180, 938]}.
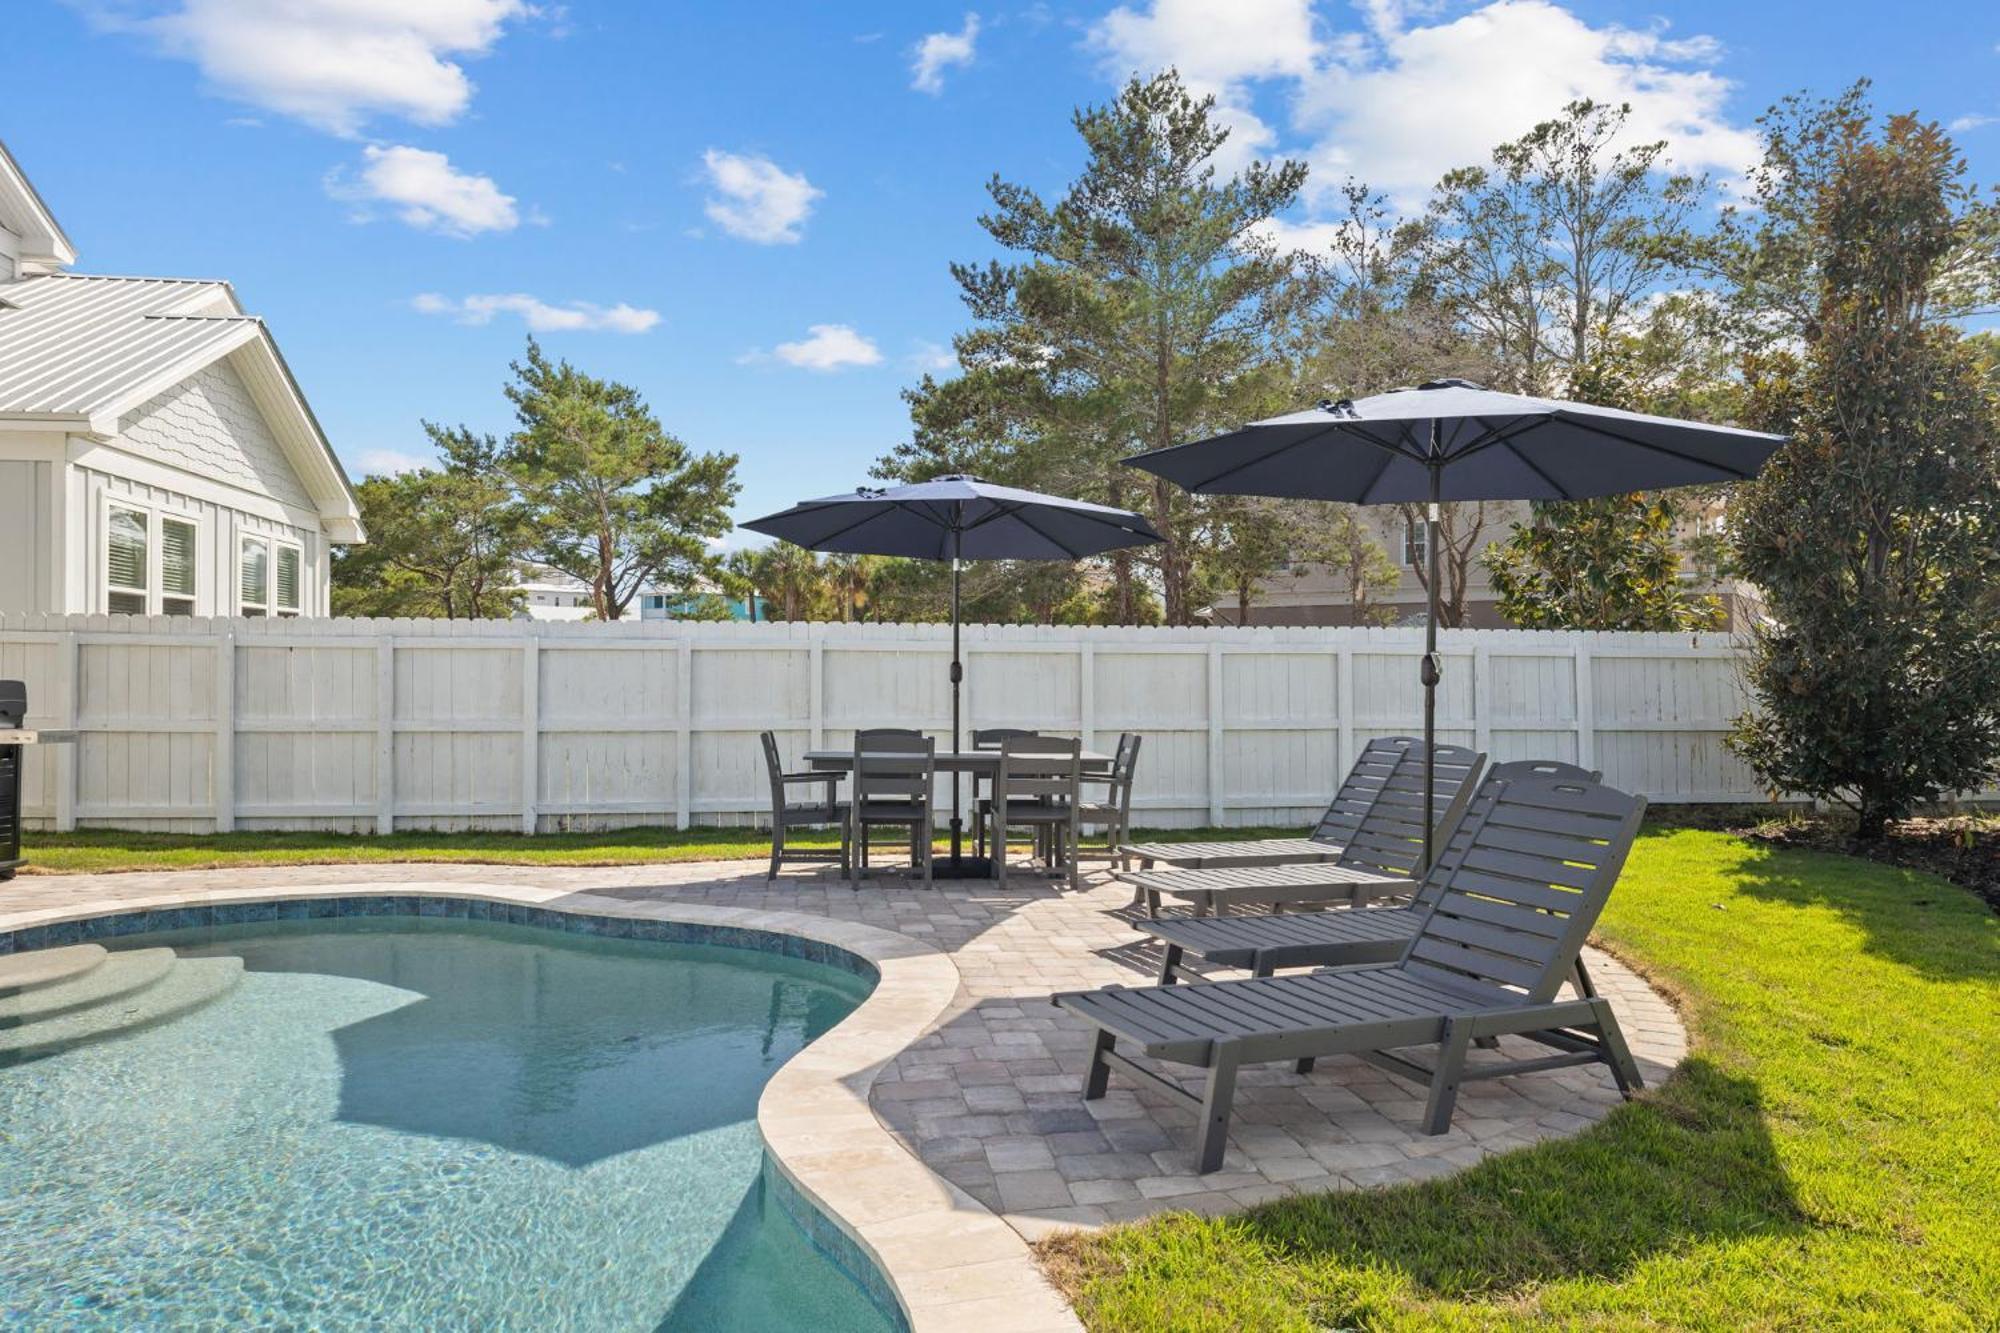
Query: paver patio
{"type": "Point", "coordinates": [990, 1099]}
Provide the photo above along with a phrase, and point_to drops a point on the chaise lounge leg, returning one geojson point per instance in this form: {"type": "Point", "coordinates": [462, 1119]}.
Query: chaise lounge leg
{"type": "Point", "coordinates": [777, 851]}
{"type": "Point", "coordinates": [1099, 1077]}
{"type": "Point", "coordinates": [1215, 1105]}
{"type": "Point", "coordinates": [1170, 961]}
{"type": "Point", "coordinates": [1446, 1077]}
{"type": "Point", "coordinates": [1617, 1054]}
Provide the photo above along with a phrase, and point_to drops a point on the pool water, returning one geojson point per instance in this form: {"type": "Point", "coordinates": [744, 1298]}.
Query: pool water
{"type": "Point", "coordinates": [407, 1123]}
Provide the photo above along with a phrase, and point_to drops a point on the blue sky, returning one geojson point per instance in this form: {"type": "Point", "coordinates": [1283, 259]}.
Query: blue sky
{"type": "Point", "coordinates": [747, 210]}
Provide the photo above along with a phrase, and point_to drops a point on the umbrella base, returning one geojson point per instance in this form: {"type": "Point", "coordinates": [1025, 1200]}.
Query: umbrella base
{"type": "Point", "coordinates": [963, 867]}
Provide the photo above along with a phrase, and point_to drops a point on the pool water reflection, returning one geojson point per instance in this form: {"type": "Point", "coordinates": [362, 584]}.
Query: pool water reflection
{"type": "Point", "coordinates": [406, 1122]}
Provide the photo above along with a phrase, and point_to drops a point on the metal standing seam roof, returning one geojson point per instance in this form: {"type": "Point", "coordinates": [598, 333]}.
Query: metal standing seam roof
{"type": "Point", "coordinates": [77, 345]}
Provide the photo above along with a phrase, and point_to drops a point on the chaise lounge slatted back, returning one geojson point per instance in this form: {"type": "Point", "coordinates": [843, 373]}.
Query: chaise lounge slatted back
{"type": "Point", "coordinates": [1386, 835]}
{"type": "Point", "coordinates": [1366, 934]}
{"type": "Point", "coordinates": [1537, 864]}
{"type": "Point", "coordinates": [1463, 834]}
{"type": "Point", "coordinates": [1388, 767]}
{"type": "Point", "coordinates": [1382, 824]}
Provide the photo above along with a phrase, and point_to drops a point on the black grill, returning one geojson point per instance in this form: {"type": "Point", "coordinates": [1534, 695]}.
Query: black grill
{"type": "Point", "coordinates": [13, 714]}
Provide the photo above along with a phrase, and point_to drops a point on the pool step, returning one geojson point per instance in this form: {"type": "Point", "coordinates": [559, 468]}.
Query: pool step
{"type": "Point", "coordinates": [187, 985]}
{"type": "Point", "coordinates": [119, 975]}
{"type": "Point", "coordinates": [23, 972]}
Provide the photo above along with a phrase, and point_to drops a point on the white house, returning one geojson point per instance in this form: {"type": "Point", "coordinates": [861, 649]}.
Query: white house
{"type": "Point", "coordinates": [156, 456]}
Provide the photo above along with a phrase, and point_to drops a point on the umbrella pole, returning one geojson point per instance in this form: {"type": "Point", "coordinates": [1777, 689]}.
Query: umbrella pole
{"type": "Point", "coordinates": [957, 675]}
{"type": "Point", "coordinates": [1429, 672]}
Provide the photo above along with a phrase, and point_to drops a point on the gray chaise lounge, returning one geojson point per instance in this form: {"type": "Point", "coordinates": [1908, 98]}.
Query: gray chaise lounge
{"type": "Point", "coordinates": [1385, 765]}
{"type": "Point", "coordinates": [1489, 960]}
{"type": "Point", "coordinates": [1356, 881]}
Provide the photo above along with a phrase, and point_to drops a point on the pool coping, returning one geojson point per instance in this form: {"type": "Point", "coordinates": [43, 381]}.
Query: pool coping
{"type": "Point", "coordinates": [950, 1262]}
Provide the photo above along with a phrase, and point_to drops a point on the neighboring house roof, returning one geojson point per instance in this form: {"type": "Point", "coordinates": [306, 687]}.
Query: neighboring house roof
{"type": "Point", "coordinates": [22, 210]}
{"type": "Point", "coordinates": [83, 350]}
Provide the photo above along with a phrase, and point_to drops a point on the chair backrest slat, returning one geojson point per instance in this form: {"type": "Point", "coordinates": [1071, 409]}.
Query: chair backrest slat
{"type": "Point", "coordinates": [1513, 917]}
{"type": "Point", "coordinates": [1032, 767]}
{"type": "Point", "coordinates": [894, 764]}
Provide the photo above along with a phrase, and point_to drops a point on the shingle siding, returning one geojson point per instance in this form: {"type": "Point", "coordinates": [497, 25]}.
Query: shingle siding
{"type": "Point", "coordinates": [208, 425]}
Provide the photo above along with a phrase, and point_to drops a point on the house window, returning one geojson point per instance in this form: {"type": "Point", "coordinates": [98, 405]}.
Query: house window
{"type": "Point", "coordinates": [149, 562]}
{"type": "Point", "coordinates": [267, 577]}
{"type": "Point", "coordinates": [1416, 545]}
{"type": "Point", "coordinates": [177, 562]}
{"type": "Point", "coordinates": [125, 561]}
{"type": "Point", "coordinates": [288, 580]}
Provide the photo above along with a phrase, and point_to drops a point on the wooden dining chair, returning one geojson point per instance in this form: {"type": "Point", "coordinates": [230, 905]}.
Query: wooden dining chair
{"type": "Point", "coordinates": [821, 806]}
{"type": "Point", "coordinates": [1112, 811]}
{"type": "Point", "coordinates": [1038, 787]}
{"type": "Point", "coordinates": [895, 779]}
{"type": "Point", "coordinates": [987, 738]}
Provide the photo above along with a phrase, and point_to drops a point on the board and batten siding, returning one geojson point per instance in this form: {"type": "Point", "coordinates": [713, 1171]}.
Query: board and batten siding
{"type": "Point", "coordinates": [220, 526]}
{"type": "Point", "coordinates": [365, 725]}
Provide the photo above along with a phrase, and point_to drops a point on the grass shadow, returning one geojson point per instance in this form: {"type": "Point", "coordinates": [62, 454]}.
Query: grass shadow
{"type": "Point", "coordinates": [1692, 1163]}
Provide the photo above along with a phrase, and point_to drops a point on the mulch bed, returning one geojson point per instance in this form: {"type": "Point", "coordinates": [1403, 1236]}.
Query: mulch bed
{"type": "Point", "coordinates": [1964, 849]}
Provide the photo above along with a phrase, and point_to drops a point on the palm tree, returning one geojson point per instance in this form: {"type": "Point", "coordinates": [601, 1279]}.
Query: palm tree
{"type": "Point", "coordinates": [851, 578]}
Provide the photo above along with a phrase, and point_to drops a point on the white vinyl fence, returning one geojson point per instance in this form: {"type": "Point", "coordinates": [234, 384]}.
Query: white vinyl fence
{"type": "Point", "coordinates": [372, 725]}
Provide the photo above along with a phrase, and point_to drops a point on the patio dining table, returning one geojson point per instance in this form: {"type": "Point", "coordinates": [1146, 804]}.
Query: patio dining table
{"type": "Point", "coordinates": [979, 763]}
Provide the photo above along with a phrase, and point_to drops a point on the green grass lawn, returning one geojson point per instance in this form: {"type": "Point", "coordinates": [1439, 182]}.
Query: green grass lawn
{"type": "Point", "coordinates": [111, 850]}
{"type": "Point", "coordinates": [1828, 1157]}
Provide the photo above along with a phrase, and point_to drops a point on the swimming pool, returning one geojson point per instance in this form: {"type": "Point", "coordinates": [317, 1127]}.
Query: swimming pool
{"type": "Point", "coordinates": [405, 1122]}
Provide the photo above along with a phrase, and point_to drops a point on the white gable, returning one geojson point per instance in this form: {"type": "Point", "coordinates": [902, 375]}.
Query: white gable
{"type": "Point", "coordinates": [30, 238]}
{"type": "Point", "coordinates": [209, 425]}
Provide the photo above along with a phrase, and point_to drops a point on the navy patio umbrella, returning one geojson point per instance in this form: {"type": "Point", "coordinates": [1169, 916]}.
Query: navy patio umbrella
{"type": "Point", "coordinates": [957, 518]}
{"type": "Point", "coordinates": [1453, 440]}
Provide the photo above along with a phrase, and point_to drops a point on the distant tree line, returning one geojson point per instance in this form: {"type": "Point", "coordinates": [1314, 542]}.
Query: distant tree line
{"type": "Point", "coordinates": [1153, 302]}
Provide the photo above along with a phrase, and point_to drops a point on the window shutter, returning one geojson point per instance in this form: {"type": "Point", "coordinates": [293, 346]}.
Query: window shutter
{"type": "Point", "coordinates": [288, 578]}
{"type": "Point", "coordinates": [127, 550]}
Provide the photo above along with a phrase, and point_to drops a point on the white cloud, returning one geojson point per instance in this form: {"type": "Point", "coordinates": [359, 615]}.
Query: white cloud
{"type": "Point", "coordinates": [427, 192]}
{"type": "Point", "coordinates": [1220, 47]}
{"type": "Point", "coordinates": [755, 199]}
{"type": "Point", "coordinates": [1407, 96]}
{"type": "Point", "coordinates": [1314, 237]}
{"type": "Point", "coordinates": [1418, 101]}
{"type": "Point", "coordinates": [825, 347]}
{"type": "Point", "coordinates": [1971, 122]}
{"type": "Point", "coordinates": [539, 315]}
{"type": "Point", "coordinates": [390, 462]}
{"type": "Point", "coordinates": [934, 357]}
{"type": "Point", "coordinates": [335, 63]}
{"type": "Point", "coordinates": [940, 51]}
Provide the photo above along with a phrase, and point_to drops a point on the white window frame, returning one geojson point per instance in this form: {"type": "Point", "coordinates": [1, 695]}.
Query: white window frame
{"type": "Point", "coordinates": [155, 515]}
{"type": "Point", "coordinates": [1416, 550]}
{"type": "Point", "coordinates": [272, 545]}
